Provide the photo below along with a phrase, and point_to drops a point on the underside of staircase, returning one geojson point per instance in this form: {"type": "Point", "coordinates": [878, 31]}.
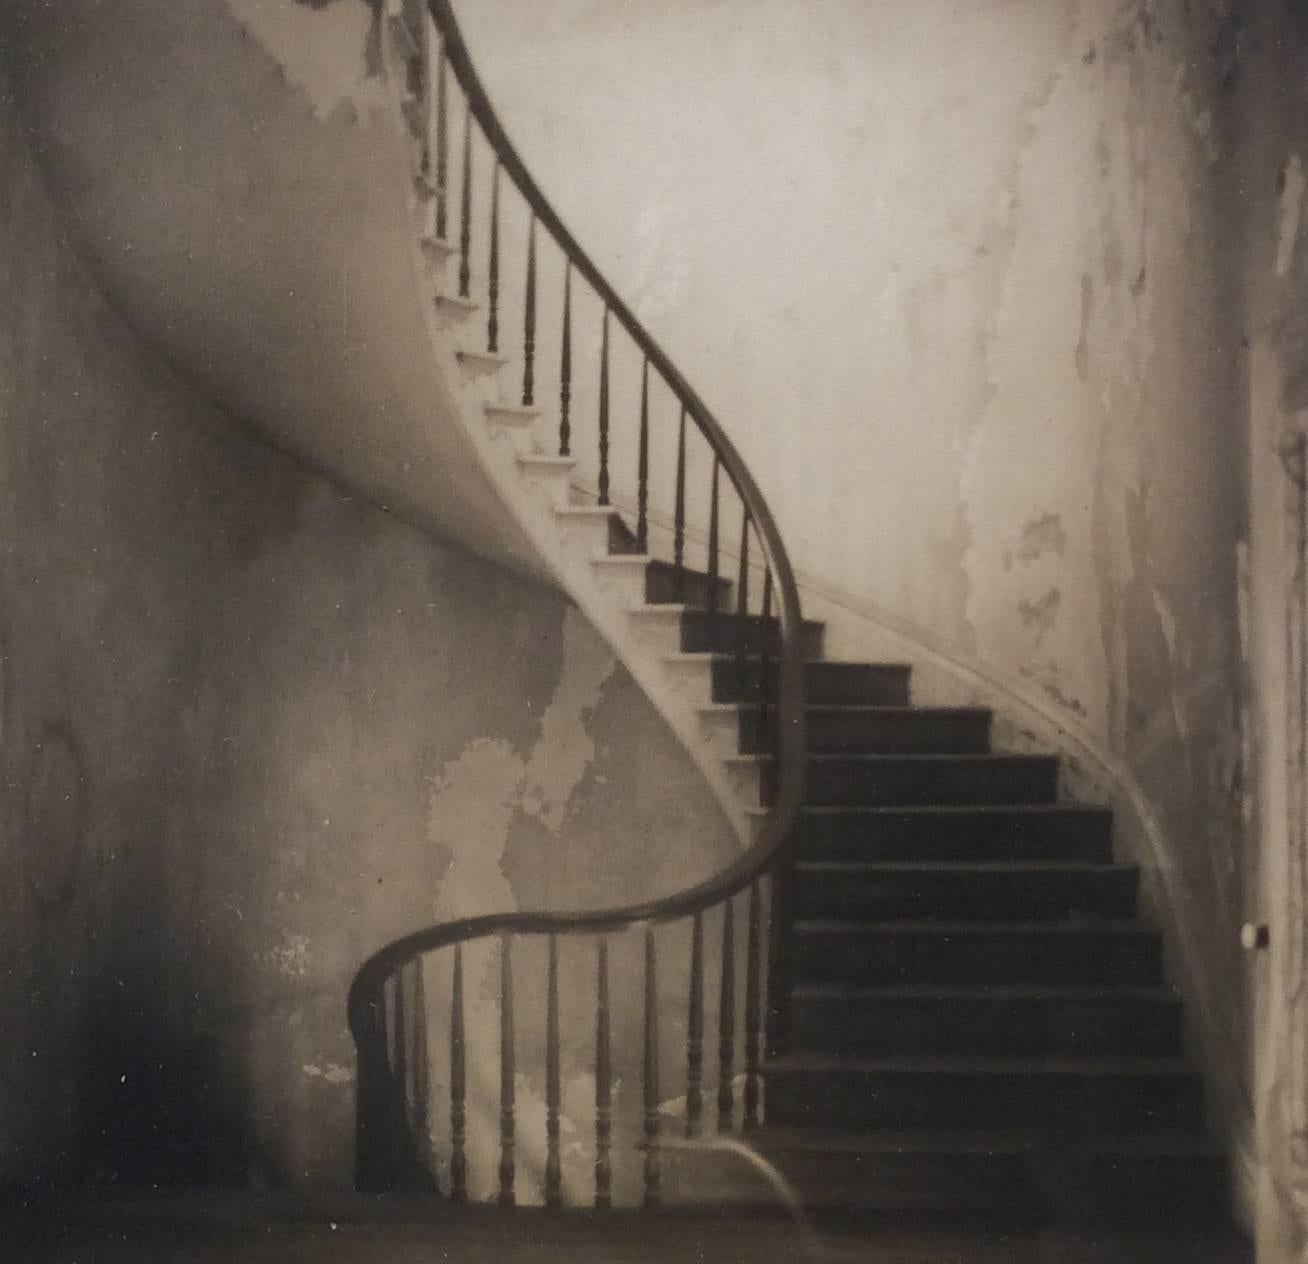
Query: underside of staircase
{"type": "Point", "coordinates": [973, 1018]}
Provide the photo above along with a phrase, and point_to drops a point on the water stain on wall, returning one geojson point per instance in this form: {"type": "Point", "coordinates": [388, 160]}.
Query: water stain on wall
{"type": "Point", "coordinates": [325, 47]}
{"type": "Point", "coordinates": [58, 814]}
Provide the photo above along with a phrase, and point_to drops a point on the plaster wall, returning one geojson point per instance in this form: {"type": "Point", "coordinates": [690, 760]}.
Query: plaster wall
{"type": "Point", "coordinates": [1274, 206]}
{"type": "Point", "coordinates": [252, 728]}
{"type": "Point", "coordinates": [961, 279]}
{"type": "Point", "coordinates": [235, 177]}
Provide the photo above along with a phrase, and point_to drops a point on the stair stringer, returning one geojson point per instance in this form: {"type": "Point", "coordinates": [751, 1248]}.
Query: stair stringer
{"type": "Point", "coordinates": [570, 539]}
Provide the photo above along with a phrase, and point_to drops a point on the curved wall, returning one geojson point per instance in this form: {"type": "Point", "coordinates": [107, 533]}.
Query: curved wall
{"type": "Point", "coordinates": [233, 174]}
{"type": "Point", "coordinates": [251, 729]}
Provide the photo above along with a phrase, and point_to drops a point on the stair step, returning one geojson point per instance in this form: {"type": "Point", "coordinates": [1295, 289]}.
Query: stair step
{"type": "Point", "coordinates": [1027, 891]}
{"type": "Point", "coordinates": [1170, 1178]}
{"type": "Point", "coordinates": [480, 363]}
{"type": "Point", "coordinates": [888, 730]}
{"type": "Point", "coordinates": [868, 684]}
{"type": "Point", "coordinates": [1055, 1095]}
{"type": "Point", "coordinates": [438, 250]}
{"type": "Point", "coordinates": [888, 780]}
{"type": "Point", "coordinates": [1009, 1020]}
{"type": "Point", "coordinates": [666, 582]}
{"type": "Point", "coordinates": [1060, 954]}
{"type": "Point", "coordinates": [703, 631]}
{"type": "Point", "coordinates": [972, 832]}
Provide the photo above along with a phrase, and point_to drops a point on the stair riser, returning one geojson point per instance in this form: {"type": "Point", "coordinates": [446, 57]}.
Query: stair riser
{"type": "Point", "coordinates": [663, 584]}
{"type": "Point", "coordinates": [906, 781]}
{"type": "Point", "coordinates": [964, 1026]}
{"type": "Point", "coordinates": [965, 896]}
{"type": "Point", "coordinates": [979, 836]}
{"type": "Point", "coordinates": [1177, 1189]}
{"type": "Point", "coordinates": [705, 633]}
{"type": "Point", "coordinates": [889, 732]}
{"type": "Point", "coordinates": [1002, 957]}
{"type": "Point", "coordinates": [826, 684]}
{"type": "Point", "coordinates": [855, 1101]}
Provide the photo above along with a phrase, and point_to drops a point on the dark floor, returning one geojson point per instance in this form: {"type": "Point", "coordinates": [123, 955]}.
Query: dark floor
{"type": "Point", "coordinates": [246, 1230]}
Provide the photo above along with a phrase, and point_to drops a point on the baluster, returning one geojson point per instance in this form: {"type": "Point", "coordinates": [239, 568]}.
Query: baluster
{"type": "Point", "coordinates": [652, 1173]}
{"type": "Point", "coordinates": [679, 513]}
{"type": "Point", "coordinates": [458, 1087]}
{"type": "Point", "coordinates": [603, 1084]}
{"type": "Point", "coordinates": [604, 413]}
{"type": "Point", "coordinates": [400, 1043]}
{"type": "Point", "coordinates": [695, 1032]}
{"type": "Point", "coordinates": [642, 468]}
{"type": "Point", "coordinates": [426, 37]}
{"type": "Point", "coordinates": [565, 372]}
{"type": "Point", "coordinates": [742, 609]}
{"type": "Point", "coordinates": [713, 540]}
{"type": "Point", "coordinates": [465, 206]}
{"type": "Point", "coordinates": [765, 667]}
{"type": "Point", "coordinates": [753, 1009]}
{"type": "Point", "coordinates": [493, 322]}
{"type": "Point", "coordinates": [442, 145]}
{"type": "Point", "coordinates": [553, 1168]}
{"type": "Point", "coordinates": [529, 321]}
{"type": "Point", "coordinates": [507, 1121]}
{"type": "Point", "coordinates": [727, 1020]}
{"type": "Point", "coordinates": [421, 1068]}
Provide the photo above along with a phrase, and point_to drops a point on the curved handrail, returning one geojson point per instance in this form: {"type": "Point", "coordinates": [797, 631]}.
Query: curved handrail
{"type": "Point", "coordinates": [365, 991]}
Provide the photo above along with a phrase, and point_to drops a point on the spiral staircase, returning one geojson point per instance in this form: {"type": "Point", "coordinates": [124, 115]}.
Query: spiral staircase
{"type": "Point", "coordinates": [922, 983]}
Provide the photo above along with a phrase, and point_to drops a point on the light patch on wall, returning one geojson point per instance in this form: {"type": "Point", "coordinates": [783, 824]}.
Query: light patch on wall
{"type": "Point", "coordinates": [472, 805]}
{"type": "Point", "coordinates": [323, 51]}
{"type": "Point", "coordinates": [291, 956]}
{"type": "Point", "coordinates": [1290, 213]}
{"type": "Point", "coordinates": [330, 1072]}
{"type": "Point", "coordinates": [565, 748]}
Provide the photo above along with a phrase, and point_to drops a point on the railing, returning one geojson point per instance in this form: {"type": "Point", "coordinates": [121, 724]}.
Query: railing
{"type": "Point", "coordinates": [390, 1001]}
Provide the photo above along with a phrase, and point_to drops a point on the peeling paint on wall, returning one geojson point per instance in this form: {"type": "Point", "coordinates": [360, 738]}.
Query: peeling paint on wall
{"type": "Point", "coordinates": [323, 49]}
{"type": "Point", "coordinates": [1293, 184]}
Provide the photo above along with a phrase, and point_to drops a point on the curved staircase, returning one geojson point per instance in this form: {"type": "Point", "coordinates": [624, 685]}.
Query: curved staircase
{"type": "Point", "coordinates": [922, 983]}
{"type": "Point", "coordinates": [959, 1011]}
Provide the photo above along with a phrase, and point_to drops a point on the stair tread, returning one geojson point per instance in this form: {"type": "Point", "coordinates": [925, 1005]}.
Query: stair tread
{"type": "Point", "coordinates": [931, 1141]}
{"type": "Point", "coordinates": [911, 926]}
{"type": "Point", "coordinates": [969, 866]}
{"type": "Point", "coordinates": [546, 460]}
{"type": "Point", "coordinates": [813, 664]}
{"type": "Point", "coordinates": [883, 708]}
{"type": "Point", "coordinates": [987, 992]}
{"type": "Point", "coordinates": [983, 1064]}
{"type": "Point", "coordinates": [897, 757]}
{"type": "Point", "coordinates": [948, 809]}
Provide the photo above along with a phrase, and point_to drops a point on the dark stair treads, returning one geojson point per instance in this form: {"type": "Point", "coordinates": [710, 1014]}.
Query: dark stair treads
{"type": "Point", "coordinates": [1005, 1021]}
{"type": "Point", "coordinates": [879, 730]}
{"type": "Point", "coordinates": [868, 684]}
{"type": "Point", "coordinates": [1176, 1178]}
{"type": "Point", "coordinates": [938, 953]}
{"type": "Point", "coordinates": [1055, 1095]}
{"type": "Point", "coordinates": [973, 832]}
{"type": "Point", "coordinates": [706, 632]}
{"type": "Point", "coordinates": [895, 780]}
{"type": "Point", "coordinates": [666, 583]}
{"type": "Point", "coordinates": [962, 892]}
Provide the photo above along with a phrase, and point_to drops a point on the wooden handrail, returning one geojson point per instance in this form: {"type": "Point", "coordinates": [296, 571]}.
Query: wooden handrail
{"type": "Point", "coordinates": [365, 995]}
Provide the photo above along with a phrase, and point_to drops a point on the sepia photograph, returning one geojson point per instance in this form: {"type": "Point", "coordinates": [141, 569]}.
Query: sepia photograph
{"type": "Point", "coordinates": [654, 630]}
